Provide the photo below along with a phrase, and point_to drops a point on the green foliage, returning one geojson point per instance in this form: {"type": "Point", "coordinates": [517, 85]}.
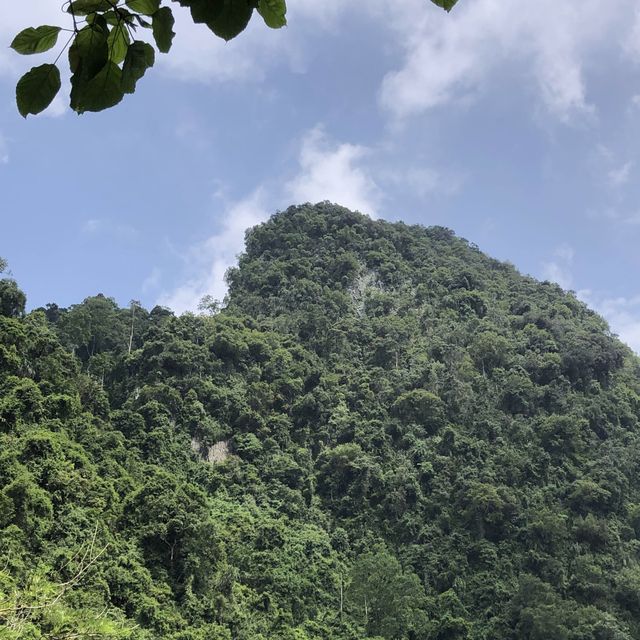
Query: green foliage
{"type": "Point", "coordinates": [384, 434]}
{"type": "Point", "coordinates": [37, 88]}
{"type": "Point", "coordinates": [226, 18]}
{"type": "Point", "coordinates": [162, 25]}
{"type": "Point", "coordinates": [447, 5]}
{"type": "Point", "coordinates": [421, 407]}
{"type": "Point", "coordinates": [139, 57]}
{"type": "Point", "coordinates": [106, 59]}
{"type": "Point", "coordinates": [12, 300]}
{"type": "Point", "coordinates": [389, 602]}
{"type": "Point", "coordinates": [40, 608]}
{"type": "Point", "coordinates": [36, 40]}
{"type": "Point", "coordinates": [273, 13]}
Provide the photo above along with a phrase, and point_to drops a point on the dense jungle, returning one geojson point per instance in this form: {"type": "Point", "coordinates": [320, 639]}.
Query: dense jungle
{"type": "Point", "coordinates": [381, 433]}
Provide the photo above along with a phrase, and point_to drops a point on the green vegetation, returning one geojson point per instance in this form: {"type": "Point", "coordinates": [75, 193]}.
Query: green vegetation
{"type": "Point", "coordinates": [384, 434]}
{"type": "Point", "coordinates": [106, 58]}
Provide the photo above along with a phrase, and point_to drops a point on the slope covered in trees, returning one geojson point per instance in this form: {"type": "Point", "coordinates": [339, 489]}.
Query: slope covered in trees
{"type": "Point", "coordinates": [385, 434]}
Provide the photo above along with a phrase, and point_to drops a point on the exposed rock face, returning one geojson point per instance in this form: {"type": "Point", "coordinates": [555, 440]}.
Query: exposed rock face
{"type": "Point", "coordinates": [215, 454]}
{"type": "Point", "coordinates": [366, 280]}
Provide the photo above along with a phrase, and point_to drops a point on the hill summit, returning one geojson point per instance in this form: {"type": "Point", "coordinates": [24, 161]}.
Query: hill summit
{"type": "Point", "coordinates": [384, 434]}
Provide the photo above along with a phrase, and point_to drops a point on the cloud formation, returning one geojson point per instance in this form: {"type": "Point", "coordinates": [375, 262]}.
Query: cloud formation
{"type": "Point", "coordinates": [208, 261]}
{"type": "Point", "coordinates": [447, 57]}
{"type": "Point", "coordinates": [326, 170]}
{"type": "Point", "coordinates": [610, 169]}
{"type": "Point", "coordinates": [103, 227]}
{"type": "Point", "coordinates": [4, 150]}
{"type": "Point", "coordinates": [559, 269]}
{"type": "Point", "coordinates": [333, 171]}
{"type": "Point", "coordinates": [619, 176]}
{"type": "Point", "coordinates": [620, 216]}
{"type": "Point", "coordinates": [622, 314]}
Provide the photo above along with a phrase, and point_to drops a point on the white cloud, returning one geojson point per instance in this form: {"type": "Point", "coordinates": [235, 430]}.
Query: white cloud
{"type": "Point", "coordinates": [103, 227]}
{"type": "Point", "coordinates": [622, 217]}
{"type": "Point", "coordinates": [92, 226]}
{"type": "Point", "coordinates": [4, 150]}
{"type": "Point", "coordinates": [327, 170]}
{"type": "Point", "coordinates": [619, 176]}
{"type": "Point", "coordinates": [622, 314]}
{"type": "Point", "coordinates": [191, 131]}
{"type": "Point", "coordinates": [558, 273]}
{"type": "Point", "coordinates": [421, 181]}
{"type": "Point", "coordinates": [58, 107]}
{"type": "Point", "coordinates": [565, 252]}
{"type": "Point", "coordinates": [447, 57]}
{"type": "Point", "coordinates": [198, 55]}
{"type": "Point", "coordinates": [324, 14]}
{"type": "Point", "coordinates": [632, 41]}
{"type": "Point", "coordinates": [559, 268]}
{"type": "Point", "coordinates": [152, 281]}
{"type": "Point", "coordinates": [609, 168]}
{"type": "Point", "coordinates": [632, 219]}
{"type": "Point", "coordinates": [209, 260]}
{"type": "Point", "coordinates": [333, 171]}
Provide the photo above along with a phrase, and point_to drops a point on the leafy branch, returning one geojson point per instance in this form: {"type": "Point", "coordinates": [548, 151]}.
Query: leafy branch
{"type": "Point", "coordinates": [106, 60]}
{"type": "Point", "coordinates": [43, 600]}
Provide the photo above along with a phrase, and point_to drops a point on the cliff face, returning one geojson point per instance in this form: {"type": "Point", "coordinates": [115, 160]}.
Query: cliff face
{"type": "Point", "coordinates": [419, 443]}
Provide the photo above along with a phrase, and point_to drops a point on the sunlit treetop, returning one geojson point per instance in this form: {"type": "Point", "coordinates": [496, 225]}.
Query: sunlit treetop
{"type": "Point", "coordinates": [108, 52]}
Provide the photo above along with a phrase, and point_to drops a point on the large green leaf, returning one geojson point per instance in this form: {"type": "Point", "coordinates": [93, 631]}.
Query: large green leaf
{"type": "Point", "coordinates": [111, 17]}
{"type": "Point", "coordinates": [232, 18]}
{"type": "Point", "coordinates": [447, 5]}
{"type": "Point", "coordinates": [37, 88]}
{"type": "Point", "coordinates": [273, 12]}
{"type": "Point", "coordinates": [35, 40]}
{"type": "Point", "coordinates": [118, 41]}
{"type": "Point", "coordinates": [226, 18]}
{"type": "Point", "coordinates": [89, 52]}
{"type": "Point", "coordinates": [101, 21]}
{"type": "Point", "coordinates": [140, 56]}
{"type": "Point", "coordinates": [163, 22]}
{"type": "Point", "coordinates": [100, 92]}
{"type": "Point", "coordinates": [203, 11]}
{"type": "Point", "coordinates": [145, 7]}
{"type": "Point", "coordinates": [83, 7]}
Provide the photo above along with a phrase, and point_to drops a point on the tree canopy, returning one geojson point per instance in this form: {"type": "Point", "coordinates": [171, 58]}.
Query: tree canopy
{"type": "Point", "coordinates": [384, 434]}
{"type": "Point", "coordinates": [111, 44]}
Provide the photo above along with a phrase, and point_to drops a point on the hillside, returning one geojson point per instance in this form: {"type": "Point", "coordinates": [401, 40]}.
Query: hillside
{"type": "Point", "coordinates": [384, 434]}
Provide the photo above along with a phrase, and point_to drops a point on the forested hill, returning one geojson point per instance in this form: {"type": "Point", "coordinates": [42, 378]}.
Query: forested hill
{"type": "Point", "coordinates": [384, 434]}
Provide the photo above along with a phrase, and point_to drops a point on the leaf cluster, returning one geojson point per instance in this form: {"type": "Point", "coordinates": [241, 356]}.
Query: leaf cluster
{"type": "Point", "coordinates": [108, 51]}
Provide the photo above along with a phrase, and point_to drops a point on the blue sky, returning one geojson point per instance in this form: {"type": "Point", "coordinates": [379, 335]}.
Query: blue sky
{"type": "Point", "coordinates": [515, 124]}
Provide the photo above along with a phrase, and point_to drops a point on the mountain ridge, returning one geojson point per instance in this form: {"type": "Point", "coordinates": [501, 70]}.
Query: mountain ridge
{"type": "Point", "coordinates": [419, 444]}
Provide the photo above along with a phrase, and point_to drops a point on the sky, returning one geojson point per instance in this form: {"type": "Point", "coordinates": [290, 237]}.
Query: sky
{"type": "Point", "coordinates": [516, 124]}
